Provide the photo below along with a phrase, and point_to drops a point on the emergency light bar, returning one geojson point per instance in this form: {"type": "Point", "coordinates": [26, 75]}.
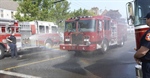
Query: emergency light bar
{"type": "Point", "coordinates": [80, 17]}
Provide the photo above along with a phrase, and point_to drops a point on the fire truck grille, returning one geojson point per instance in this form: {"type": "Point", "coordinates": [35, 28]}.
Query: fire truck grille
{"type": "Point", "coordinates": [77, 38]}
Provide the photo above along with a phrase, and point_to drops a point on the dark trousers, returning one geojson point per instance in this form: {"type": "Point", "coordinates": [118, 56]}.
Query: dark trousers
{"type": "Point", "coordinates": [13, 50]}
{"type": "Point", "coordinates": [146, 69]}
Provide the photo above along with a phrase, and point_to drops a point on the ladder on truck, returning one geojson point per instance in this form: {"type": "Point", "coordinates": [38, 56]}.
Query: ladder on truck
{"type": "Point", "coordinates": [113, 35]}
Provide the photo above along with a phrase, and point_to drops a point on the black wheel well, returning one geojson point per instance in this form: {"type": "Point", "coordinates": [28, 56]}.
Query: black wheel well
{"type": "Point", "coordinates": [48, 40]}
{"type": "Point", "coordinates": [2, 45]}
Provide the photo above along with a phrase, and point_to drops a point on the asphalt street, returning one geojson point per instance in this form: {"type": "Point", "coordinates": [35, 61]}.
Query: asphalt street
{"type": "Point", "coordinates": [118, 62]}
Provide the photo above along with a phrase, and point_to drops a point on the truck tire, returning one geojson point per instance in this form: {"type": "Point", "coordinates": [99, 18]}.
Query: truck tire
{"type": "Point", "coordinates": [121, 43]}
{"type": "Point", "coordinates": [104, 47]}
{"type": "Point", "coordinates": [1, 52]}
{"type": "Point", "coordinates": [49, 44]}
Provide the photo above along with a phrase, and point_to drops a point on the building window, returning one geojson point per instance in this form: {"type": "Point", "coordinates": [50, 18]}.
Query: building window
{"type": "Point", "coordinates": [12, 14]}
{"type": "Point", "coordinates": [1, 13]}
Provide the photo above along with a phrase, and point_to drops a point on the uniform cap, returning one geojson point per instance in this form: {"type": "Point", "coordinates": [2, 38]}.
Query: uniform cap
{"type": "Point", "coordinates": [148, 15]}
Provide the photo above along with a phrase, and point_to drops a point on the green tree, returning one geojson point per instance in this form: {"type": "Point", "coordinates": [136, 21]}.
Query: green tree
{"type": "Point", "coordinates": [27, 11]}
{"type": "Point", "coordinates": [60, 11]}
{"type": "Point", "coordinates": [81, 12]}
{"type": "Point", "coordinates": [44, 10]}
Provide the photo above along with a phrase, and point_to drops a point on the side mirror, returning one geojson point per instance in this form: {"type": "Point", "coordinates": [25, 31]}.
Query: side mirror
{"type": "Point", "coordinates": [130, 14]}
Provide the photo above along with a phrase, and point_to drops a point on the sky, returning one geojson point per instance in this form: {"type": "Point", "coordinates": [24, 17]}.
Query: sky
{"type": "Point", "coordinates": [101, 4]}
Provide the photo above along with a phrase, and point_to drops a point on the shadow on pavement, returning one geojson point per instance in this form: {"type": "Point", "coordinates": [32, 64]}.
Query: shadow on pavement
{"type": "Point", "coordinates": [71, 66]}
{"type": "Point", "coordinates": [112, 70]}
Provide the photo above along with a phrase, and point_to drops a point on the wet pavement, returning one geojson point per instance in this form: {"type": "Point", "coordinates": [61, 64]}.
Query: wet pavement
{"type": "Point", "coordinates": [118, 62]}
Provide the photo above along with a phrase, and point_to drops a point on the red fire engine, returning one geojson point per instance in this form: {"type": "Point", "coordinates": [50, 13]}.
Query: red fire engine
{"type": "Point", "coordinates": [89, 33]}
{"type": "Point", "coordinates": [136, 10]}
{"type": "Point", "coordinates": [39, 34]}
{"type": "Point", "coordinates": [6, 26]}
{"type": "Point", "coordinates": [135, 13]}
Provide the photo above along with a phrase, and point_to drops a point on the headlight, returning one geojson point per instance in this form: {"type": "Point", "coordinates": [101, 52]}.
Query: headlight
{"type": "Point", "coordinates": [67, 39]}
{"type": "Point", "coordinates": [88, 43]}
{"type": "Point", "coordinates": [86, 39]}
{"type": "Point", "coordinates": [4, 41]}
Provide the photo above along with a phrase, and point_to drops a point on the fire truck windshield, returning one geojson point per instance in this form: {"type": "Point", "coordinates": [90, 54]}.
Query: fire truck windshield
{"type": "Point", "coordinates": [86, 25]}
{"type": "Point", "coordinates": [83, 26]}
{"type": "Point", "coordinates": [141, 9]}
{"type": "Point", "coordinates": [70, 26]}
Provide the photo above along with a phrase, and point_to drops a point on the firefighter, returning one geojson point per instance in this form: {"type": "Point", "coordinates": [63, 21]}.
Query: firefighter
{"type": "Point", "coordinates": [142, 55]}
{"type": "Point", "coordinates": [12, 44]}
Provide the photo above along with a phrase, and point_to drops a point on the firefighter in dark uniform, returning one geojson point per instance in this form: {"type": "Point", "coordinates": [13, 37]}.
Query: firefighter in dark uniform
{"type": "Point", "coordinates": [143, 53]}
{"type": "Point", "coordinates": [12, 44]}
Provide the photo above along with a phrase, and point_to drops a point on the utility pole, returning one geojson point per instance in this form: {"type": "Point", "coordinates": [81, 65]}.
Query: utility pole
{"type": "Point", "coordinates": [58, 1]}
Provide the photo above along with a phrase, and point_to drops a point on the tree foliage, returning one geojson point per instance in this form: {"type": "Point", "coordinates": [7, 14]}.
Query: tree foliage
{"type": "Point", "coordinates": [27, 11]}
{"type": "Point", "coordinates": [60, 11]}
{"type": "Point", "coordinates": [81, 12]}
{"type": "Point", "coordinates": [47, 10]}
{"type": "Point", "coordinates": [44, 8]}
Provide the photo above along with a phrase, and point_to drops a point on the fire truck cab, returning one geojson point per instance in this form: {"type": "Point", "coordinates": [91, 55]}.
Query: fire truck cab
{"type": "Point", "coordinates": [136, 11]}
{"type": "Point", "coordinates": [6, 27]}
{"type": "Point", "coordinates": [39, 34]}
{"type": "Point", "coordinates": [89, 33]}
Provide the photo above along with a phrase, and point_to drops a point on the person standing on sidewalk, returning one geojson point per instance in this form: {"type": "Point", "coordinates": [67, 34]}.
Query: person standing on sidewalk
{"type": "Point", "coordinates": [12, 44]}
{"type": "Point", "coordinates": [143, 53]}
